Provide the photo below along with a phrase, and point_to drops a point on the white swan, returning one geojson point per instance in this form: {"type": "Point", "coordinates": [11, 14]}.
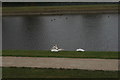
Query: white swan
{"type": "Point", "coordinates": [80, 50]}
{"type": "Point", "coordinates": [55, 49]}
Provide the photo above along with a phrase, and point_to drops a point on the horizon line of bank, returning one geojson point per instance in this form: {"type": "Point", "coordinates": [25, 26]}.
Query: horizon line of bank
{"type": "Point", "coordinates": [59, 13]}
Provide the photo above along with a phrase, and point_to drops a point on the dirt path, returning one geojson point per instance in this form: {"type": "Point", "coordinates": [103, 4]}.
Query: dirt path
{"type": "Point", "coordinates": [67, 63]}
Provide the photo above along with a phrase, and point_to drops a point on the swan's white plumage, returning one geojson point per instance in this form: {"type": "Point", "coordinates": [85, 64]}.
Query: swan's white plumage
{"type": "Point", "coordinates": [82, 50]}
{"type": "Point", "coordinates": [55, 49]}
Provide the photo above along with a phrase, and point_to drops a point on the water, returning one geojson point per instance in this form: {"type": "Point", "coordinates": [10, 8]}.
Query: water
{"type": "Point", "coordinates": [93, 32]}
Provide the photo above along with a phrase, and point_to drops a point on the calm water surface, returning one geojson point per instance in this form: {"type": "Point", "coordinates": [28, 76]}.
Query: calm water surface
{"type": "Point", "coordinates": [98, 32]}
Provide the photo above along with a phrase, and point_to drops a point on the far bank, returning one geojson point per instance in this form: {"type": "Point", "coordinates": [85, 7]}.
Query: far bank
{"type": "Point", "coordinates": [60, 10]}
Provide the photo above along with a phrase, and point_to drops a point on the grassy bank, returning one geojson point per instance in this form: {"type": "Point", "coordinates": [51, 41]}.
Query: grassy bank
{"type": "Point", "coordinates": [55, 73]}
{"type": "Point", "coordinates": [73, 9]}
{"type": "Point", "coordinates": [62, 54]}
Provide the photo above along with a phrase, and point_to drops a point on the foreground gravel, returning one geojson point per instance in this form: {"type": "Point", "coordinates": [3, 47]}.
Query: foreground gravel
{"type": "Point", "coordinates": [67, 63]}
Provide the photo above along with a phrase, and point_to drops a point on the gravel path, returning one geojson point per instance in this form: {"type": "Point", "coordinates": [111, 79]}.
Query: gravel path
{"type": "Point", "coordinates": [67, 63]}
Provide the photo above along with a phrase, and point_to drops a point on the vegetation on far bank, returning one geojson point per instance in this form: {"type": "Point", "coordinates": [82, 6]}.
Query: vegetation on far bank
{"type": "Point", "coordinates": [72, 9]}
{"type": "Point", "coordinates": [14, 72]}
{"type": "Point", "coordinates": [62, 54]}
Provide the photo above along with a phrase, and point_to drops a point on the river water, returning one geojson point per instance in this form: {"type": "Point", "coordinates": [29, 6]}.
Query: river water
{"type": "Point", "coordinates": [92, 32]}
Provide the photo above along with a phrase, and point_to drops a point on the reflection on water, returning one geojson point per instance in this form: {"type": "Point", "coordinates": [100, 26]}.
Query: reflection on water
{"type": "Point", "coordinates": [92, 32]}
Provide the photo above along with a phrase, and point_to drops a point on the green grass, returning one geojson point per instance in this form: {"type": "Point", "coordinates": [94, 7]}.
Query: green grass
{"type": "Point", "coordinates": [13, 72]}
{"type": "Point", "coordinates": [98, 6]}
{"type": "Point", "coordinates": [62, 54]}
{"type": "Point", "coordinates": [60, 9]}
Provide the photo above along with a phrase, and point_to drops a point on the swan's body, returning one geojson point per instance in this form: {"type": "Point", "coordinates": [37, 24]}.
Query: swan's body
{"type": "Point", "coordinates": [80, 50]}
{"type": "Point", "coordinates": [55, 49]}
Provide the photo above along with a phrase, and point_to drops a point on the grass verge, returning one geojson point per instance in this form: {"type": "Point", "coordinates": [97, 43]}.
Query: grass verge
{"type": "Point", "coordinates": [73, 9]}
{"type": "Point", "coordinates": [13, 72]}
{"type": "Point", "coordinates": [62, 54]}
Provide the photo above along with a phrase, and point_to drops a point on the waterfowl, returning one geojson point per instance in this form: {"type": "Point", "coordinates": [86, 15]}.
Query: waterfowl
{"type": "Point", "coordinates": [80, 50]}
{"type": "Point", "coordinates": [56, 49]}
